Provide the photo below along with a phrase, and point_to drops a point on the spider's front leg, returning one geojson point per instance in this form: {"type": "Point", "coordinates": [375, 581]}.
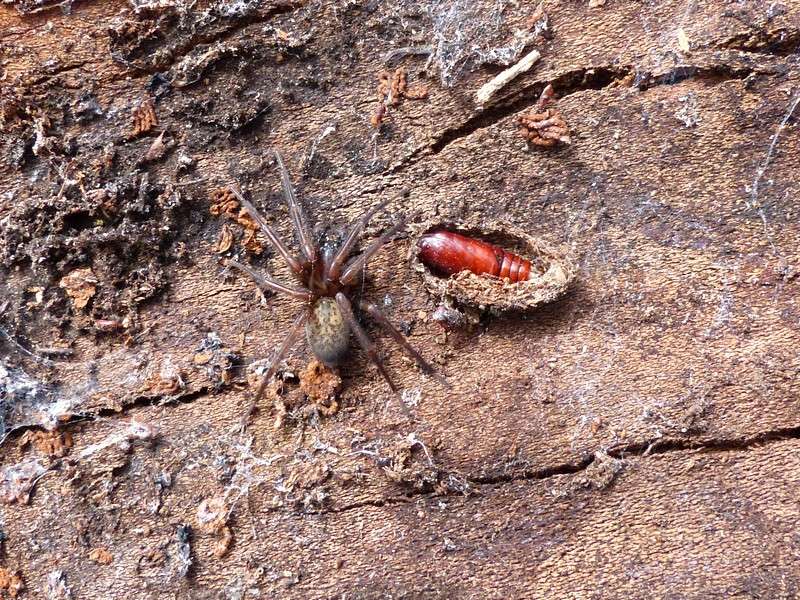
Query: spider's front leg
{"type": "Point", "coordinates": [271, 284]}
{"type": "Point", "coordinates": [353, 270]}
{"type": "Point", "coordinates": [296, 211]}
{"type": "Point", "coordinates": [295, 265]}
{"type": "Point", "coordinates": [335, 267]}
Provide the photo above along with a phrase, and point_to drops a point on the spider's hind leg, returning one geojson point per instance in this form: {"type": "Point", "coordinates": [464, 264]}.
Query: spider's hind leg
{"type": "Point", "coordinates": [384, 322]}
{"type": "Point", "coordinates": [295, 333]}
{"type": "Point", "coordinates": [363, 339]}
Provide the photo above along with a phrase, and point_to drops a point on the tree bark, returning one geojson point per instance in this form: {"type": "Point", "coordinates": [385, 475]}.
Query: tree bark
{"type": "Point", "coordinates": [638, 437]}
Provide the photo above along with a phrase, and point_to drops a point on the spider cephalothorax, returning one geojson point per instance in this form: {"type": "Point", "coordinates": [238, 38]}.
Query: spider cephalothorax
{"type": "Point", "coordinates": [327, 274]}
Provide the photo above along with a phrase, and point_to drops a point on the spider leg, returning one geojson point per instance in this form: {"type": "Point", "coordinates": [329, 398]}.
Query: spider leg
{"type": "Point", "coordinates": [295, 333]}
{"type": "Point", "coordinates": [352, 270]}
{"type": "Point", "coordinates": [293, 263]}
{"type": "Point", "coordinates": [335, 268]}
{"type": "Point", "coordinates": [296, 211]}
{"type": "Point", "coordinates": [384, 322]}
{"type": "Point", "coordinates": [271, 284]}
{"type": "Point", "coordinates": [363, 340]}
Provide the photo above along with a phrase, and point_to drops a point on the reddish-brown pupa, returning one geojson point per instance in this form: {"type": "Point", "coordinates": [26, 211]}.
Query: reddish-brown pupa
{"type": "Point", "coordinates": [448, 253]}
{"type": "Point", "coordinates": [481, 273]}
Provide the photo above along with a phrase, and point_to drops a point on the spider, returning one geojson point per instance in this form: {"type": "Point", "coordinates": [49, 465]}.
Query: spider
{"type": "Point", "coordinates": [327, 281]}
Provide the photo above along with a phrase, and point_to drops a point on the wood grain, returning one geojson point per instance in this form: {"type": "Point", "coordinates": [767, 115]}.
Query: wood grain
{"type": "Point", "coordinates": [637, 438]}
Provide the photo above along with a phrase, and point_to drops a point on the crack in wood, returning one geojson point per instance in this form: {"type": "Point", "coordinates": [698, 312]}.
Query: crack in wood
{"type": "Point", "coordinates": [593, 79]}
{"type": "Point", "coordinates": [138, 402]}
{"type": "Point", "coordinates": [225, 32]}
{"type": "Point", "coordinates": [639, 450]}
{"type": "Point", "coordinates": [47, 78]}
{"type": "Point", "coordinates": [144, 401]}
{"type": "Point", "coordinates": [568, 84]}
{"type": "Point", "coordinates": [643, 449]}
{"type": "Point", "coordinates": [781, 42]}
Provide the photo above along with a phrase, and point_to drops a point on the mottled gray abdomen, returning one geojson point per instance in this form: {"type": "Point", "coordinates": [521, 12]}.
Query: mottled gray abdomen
{"type": "Point", "coordinates": [327, 332]}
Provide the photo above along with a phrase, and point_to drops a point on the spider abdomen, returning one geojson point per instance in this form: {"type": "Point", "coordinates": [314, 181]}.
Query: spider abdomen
{"type": "Point", "coordinates": [327, 332]}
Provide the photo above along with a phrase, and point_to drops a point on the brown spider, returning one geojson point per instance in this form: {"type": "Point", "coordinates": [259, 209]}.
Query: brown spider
{"type": "Point", "coordinates": [327, 279]}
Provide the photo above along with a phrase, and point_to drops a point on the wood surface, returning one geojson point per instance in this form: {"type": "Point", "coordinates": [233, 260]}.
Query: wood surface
{"type": "Point", "coordinates": [638, 438]}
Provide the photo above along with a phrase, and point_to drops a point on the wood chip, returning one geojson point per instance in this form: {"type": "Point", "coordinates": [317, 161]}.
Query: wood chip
{"type": "Point", "coordinates": [101, 556]}
{"type": "Point", "coordinates": [11, 582]}
{"type": "Point", "coordinates": [144, 118]}
{"type": "Point", "coordinates": [157, 149]}
{"type": "Point", "coordinates": [225, 239]}
{"type": "Point", "coordinates": [80, 285]}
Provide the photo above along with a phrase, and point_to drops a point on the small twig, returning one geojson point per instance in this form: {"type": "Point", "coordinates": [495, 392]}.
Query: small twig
{"type": "Point", "coordinates": [55, 351]}
{"type": "Point", "coordinates": [4, 335]}
{"type": "Point", "coordinates": [395, 55]}
{"type": "Point", "coordinates": [503, 78]}
{"type": "Point", "coordinates": [192, 182]}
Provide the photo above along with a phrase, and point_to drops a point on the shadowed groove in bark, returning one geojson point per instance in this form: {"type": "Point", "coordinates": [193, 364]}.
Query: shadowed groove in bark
{"type": "Point", "coordinates": [375, 503]}
{"type": "Point", "coordinates": [712, 445]}
{"type": "Point", "coordinates": [566, 84]}
{"type": "Point", "coordinates": [573, 81]}
{"type": "Point", "coordinates": [782, 42]}
{"type": "Point", "coordinates": [144, 401]}
{"type": "Point", "coordinates": [138, 402]}
{"type": "Point", "coordinates": [641, 449]}
{"type": "Point", "coordinates": [651, 448]}
{"type": "Point", "coordinates": [56, 72]}
{"type": "Point", "coordinates": [230, 29]}
{"type": "Point", "coordinates": [713, 74]}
